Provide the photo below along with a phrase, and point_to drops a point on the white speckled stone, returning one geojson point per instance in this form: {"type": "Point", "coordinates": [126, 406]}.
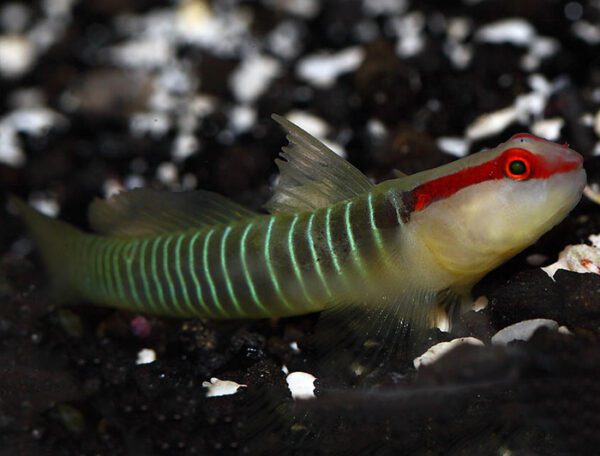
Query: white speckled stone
{"type": "Point", "coordinates": [579, 258]}
{"type": "Point", "coordinates": [217, 387]}
{"type": "Point", "coordinates": [438, 350]}
{"type": "Point", "coordinates": [301, 385]}
{"type": "Point", "coordinates": [522, 330]}
{"type": "Point", "coordinates": [146, 356]}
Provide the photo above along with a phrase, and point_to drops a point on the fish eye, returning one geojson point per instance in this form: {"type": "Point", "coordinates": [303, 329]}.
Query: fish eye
{"type": "Point", "coordinates": [517, 168]}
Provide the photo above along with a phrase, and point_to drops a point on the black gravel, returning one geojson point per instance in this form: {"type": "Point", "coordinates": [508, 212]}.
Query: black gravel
{"type": "Point", "coordinates": [69, 382]}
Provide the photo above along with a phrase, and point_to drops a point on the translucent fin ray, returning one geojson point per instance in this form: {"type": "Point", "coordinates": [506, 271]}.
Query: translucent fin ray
{"type": "Point", "coordinates": [147, 211]}
{"type": "Point", "coordinates": [361, 337]}
{"type": "Point", "coordinates": [312, 175]}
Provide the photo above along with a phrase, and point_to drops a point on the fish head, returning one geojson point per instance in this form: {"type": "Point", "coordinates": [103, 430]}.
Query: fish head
{"type": "Point", "coordinates": [483, 209]}
{"type": "Point", "coordinates": [543, 181]}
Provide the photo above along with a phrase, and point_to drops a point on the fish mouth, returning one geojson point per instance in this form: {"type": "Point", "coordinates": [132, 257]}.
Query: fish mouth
{"type": "Point", "coordinates": [573, 159]}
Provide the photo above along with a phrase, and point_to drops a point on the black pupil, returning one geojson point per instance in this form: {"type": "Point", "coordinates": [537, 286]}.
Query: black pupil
{"type": "Point", "coordinates": [517, 167]}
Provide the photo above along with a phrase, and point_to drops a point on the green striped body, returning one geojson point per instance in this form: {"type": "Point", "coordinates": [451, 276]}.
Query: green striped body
{"type": "Point", "coordinates": [265, 266]}
{"type": "Point", "coordinates": [402, 248]}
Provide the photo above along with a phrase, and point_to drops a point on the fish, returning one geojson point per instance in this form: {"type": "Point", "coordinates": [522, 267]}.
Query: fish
{"type": "Point", "coordinates": [331, 241]}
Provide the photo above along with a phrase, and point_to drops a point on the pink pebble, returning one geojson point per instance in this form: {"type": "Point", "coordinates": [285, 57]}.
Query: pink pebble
{"type": "Point", "coordinates": [141, 327]}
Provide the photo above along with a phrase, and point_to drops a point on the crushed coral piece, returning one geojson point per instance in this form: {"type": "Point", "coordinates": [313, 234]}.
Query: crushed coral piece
{"type": "Point", "coordinates": [301, 385]}
{"type": "Point", "coordinates": [580, 258]}
{"type": "Point", "coordinates": [217, 387]}
{"type": "Point", "coordinates": [438, 350]}
{"type": "Point", "coordinates": [145, 356]}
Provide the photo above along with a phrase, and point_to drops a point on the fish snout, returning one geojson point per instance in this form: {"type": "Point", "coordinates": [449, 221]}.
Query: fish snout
{"type": "Point", "coordinates": [573, 158]}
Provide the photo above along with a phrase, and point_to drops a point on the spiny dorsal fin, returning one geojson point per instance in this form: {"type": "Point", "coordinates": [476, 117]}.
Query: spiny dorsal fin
{"type": "Point", "coordinates": [312, 175]}
{"type": "Point", "coordinates": [146, 211]}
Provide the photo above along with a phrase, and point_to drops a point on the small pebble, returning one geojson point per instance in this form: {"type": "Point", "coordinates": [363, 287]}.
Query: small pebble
{"type": "Point", "coordinates": [518, 32]}
{"type": "Point", "coordinates": [522, 330]}
{"type": "Point", "coordinates": [46, 204]}
{"type": "Point", "coordinates": [217, 387]}
{"type": "Point", "coordinates": [146, 356]}
{"type": "Point", "coordinates": [548, 128]}
{"type": "Point", "coordinates": [17, 55]}
{"type": "Point", "coordinates": [459, 147]}
{"type": "Point", "coordinates": [480, 303]}
{"type": "Point", "coordinates": [301, 385]}
{"type": "Point", "coordinates": [438, 350]}
{"type": "Point", "coordinates": [579, 258]}
{"type": "Point", "coordinates": [323, 69]}
{"type": "Point", "coordinates": [167, 173]}
{"type": "Point", "coordinates": [294, 347]}
{"type": "Point", "coordinates": [253, 77]}
{"type": "Point", "coordinates": [140, 326]}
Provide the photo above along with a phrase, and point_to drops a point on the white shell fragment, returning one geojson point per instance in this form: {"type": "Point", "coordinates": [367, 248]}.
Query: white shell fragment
{"type": "Point", "coordinates": [294, 347]}
{"type": "Point", "coordinates": [322, 70]}
{"type": "Point", "coordinates": [35, 120]}
{"type": "Point", "coordinates": [253, 77]}
{"type": "Point", "coordinates": [145, 54]}
{"type": "Point", "coordinates": [11, 152]}
{"type": "Point", "coordinates": [580, 258]}
{"type": "Point", "coordinates": [46, 204]}
{"type": "Point", "coordinates": [438, 350]}
{"type": "Point", "coordinates": [302, 8]}
{"type": "Point", "coordinates": [480, 303]}
{"type": "Point", "coordinates": [409, 30]}
{"type": "Point", "coordinates": [217, 387]}
{"type": "Point", "coordinates": [519, 32]}
{"type": "Point", "coordinates": [377, 7]}
{"type": "Point", "coordinates": [491, 123]}
{"type": "Point", "coordinates": [548, 128]}
{"type": "Point", "coordinates": [596, 123]}
{"type": "Point", "coordinates": [17, 55]}
{"type": "Point", "coordinates": [588, 32]}
{"type": "Point", "coordinates": [522, 330]}
{"type": "Point", "coordinates": [301, 385]}
{"type": "Point", "coordinates": [458, 147]}
{"type": "Point", "coordinates": [145, 356]}
{"type": "Point", "coordinates": [525, 107]}
{"type": "Point", "coordinates": [514, 31]}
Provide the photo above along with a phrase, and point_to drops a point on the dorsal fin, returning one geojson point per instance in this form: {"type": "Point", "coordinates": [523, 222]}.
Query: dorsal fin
{"type": "Point", "coordinates": [146, 211]}
{"type": "Point", "coordinates": [312, 175]}
{"type": "Point", "coordinates": [398, 174]}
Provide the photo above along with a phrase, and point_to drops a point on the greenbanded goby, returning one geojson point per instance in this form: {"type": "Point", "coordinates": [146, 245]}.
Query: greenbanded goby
{"type": "Point", "coordinates": [332, 239]}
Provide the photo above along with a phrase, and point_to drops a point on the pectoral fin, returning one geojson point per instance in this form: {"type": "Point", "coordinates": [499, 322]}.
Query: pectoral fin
{"type": "Point", "coordinates": [360, 337]}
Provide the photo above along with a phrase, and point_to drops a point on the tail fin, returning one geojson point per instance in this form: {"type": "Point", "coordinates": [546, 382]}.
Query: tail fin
{"type": "Point", "coordinates": [54, 240]}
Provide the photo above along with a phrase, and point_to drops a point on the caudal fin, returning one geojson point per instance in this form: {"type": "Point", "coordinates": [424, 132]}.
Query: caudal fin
{"type": "Point", "coordinates": [54, 240]}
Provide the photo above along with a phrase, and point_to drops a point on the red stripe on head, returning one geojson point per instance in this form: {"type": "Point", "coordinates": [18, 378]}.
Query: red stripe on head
{"type": "Point", "coordinates": [497, 168]}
